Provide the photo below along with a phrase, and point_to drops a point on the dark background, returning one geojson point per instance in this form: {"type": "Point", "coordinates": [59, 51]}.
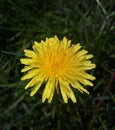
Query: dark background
{"type": "Point", "coordinates": [89, 22]}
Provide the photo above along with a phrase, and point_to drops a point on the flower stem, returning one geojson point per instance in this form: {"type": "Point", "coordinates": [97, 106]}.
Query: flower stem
{"type": "Point", "coordinates": [57, 112]}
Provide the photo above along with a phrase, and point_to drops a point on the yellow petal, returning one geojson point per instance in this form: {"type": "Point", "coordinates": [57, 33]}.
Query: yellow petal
{"type": "Point", "coordinates": [75, 48]}
{"type": "Point", "coordinates": [50, 87]}
{"type": "Point", "coordinates": [87, 63]}
{"type": "Point", "coordinates": [47, 90]}
{"type": "Point", "coordinates": [56, 86]}
{"type": "Point", "coordinates": [88, 56]}
{"type": "Point", "coordinates": [37, 47]}
{"type": "Point", "coordinates": [35, 89]}
{"type": "Point", "coordinates": [86, 82]}
{"type": "Point", "coordinates": [26, 61]}
{"type": "Point", "coordinates": [64, 95]}
{"type": "Point", "coordinates": [68, 90]}
{"type": "Point", "coordinates": [66, 43]}
{"type": "Point", "coordinates": [51, 95]}
{"type": "Point", "coordinates": [29, 53]}
{"type": "Point", "coordinates": [26, 68]}
{"type": "Point", "coordinates": [30, 74]}
{"type": "Point", "coordinates": [81, 53]}
{"type": "Point", "coordinates": [89, 67]}
{"type": "Point", "coordinates": [88, 76]}
{"type": "Point", "coordinates": [34, 81]}
{"type": "Point", "coordinates": [79, 87]}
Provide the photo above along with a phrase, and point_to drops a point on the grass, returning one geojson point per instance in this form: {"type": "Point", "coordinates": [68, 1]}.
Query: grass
{"type": "Point", "coordinates": [89, 22]}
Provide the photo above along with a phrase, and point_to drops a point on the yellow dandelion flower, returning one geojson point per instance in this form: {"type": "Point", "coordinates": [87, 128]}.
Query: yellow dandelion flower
{"type": "Point", "coordinates": [61, 65]}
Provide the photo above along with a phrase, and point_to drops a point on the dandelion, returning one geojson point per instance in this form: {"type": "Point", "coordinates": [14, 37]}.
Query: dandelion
{"type": "Point", "coordinates": [59, 64]}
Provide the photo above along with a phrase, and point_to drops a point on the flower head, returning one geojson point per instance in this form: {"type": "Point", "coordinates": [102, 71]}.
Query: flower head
{"type": "Point", "coordinates": [60, 65]}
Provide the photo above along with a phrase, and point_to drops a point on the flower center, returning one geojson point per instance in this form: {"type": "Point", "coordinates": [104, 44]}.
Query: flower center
{"type": "Point", "coordinates": [55, 67]}
{"type": "Point", "coordinates": [57, 64]}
